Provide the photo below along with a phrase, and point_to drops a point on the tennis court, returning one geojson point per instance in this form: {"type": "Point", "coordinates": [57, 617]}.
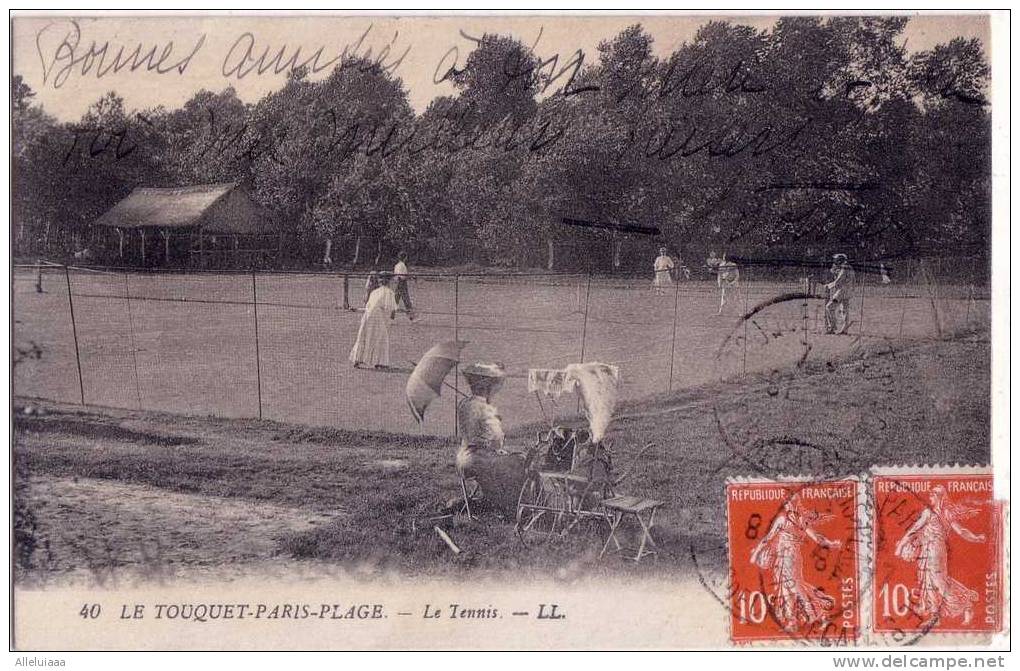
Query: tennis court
{"type": "Point", "coordinates": [275, 345]}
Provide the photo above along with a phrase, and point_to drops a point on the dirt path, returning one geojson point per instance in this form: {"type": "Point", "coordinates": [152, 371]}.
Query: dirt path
{"type": "Point", "coordinates": [85, 523]}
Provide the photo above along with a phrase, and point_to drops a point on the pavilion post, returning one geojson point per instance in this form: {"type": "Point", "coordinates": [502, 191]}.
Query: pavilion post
{"type": "Point", "coordinates": [120, 236]}
{"type": "Point", "coordinates": [142, 232]}
{"type": "Point", "coordinates": [237, 253]}
{"type": "Point", "coordinates": [166, 245]}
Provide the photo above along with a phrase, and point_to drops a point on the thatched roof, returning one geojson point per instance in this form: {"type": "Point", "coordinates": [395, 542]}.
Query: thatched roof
{"type": "Point", "coordinates": [213, 208]}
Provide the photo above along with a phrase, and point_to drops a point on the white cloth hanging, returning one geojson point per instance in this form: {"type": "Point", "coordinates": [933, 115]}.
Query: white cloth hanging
{"type": "Point", "coordinates": [550, 381]}
{"type": "Point", "coordinates": [596, 382]}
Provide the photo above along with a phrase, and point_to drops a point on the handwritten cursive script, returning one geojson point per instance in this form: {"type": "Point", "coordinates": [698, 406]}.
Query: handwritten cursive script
{"type": "Point", "coordinates": [245, 57]}
{"type": "Point", "coordinates": [69, 56]}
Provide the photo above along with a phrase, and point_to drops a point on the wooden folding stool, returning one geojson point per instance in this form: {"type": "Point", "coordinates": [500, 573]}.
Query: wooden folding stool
{"type": "Point", "coordinates": [618, 509]}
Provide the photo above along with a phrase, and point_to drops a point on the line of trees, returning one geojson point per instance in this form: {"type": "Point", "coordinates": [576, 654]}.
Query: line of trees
{"type": "Point", "coordinates": [818, 135]}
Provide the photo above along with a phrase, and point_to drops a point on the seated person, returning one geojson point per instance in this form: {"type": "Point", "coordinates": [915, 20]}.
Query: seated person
{"type": "Point", "coordinates": [481, 456]}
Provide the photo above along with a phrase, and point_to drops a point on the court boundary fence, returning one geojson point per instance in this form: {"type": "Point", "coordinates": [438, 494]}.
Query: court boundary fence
{"type": "Point", "coordinates": [925, 273]}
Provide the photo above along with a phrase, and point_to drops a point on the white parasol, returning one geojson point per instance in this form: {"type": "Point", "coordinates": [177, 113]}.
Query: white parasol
{"type": "Point", "coordinates": [427, 378]}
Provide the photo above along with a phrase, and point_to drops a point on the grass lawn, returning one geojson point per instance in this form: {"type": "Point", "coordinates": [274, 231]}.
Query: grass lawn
{"type": "Point", "coordinates": [158, 492]}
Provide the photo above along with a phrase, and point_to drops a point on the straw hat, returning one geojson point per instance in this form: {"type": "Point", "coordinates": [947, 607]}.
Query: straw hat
{"type": "Point", "coordinates": [839, 257]}
{"type": "Point", "coordinates": [495, 370]}
{"type": "Point", "coordinates": [483, 377]}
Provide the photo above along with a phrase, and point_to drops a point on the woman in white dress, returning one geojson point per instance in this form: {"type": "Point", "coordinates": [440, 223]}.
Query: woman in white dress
{"type": "Point", "coordinates": [727, 276]}
{"type": "Point", "coordinates": [663, 272]}
{"type": "Point", "coordinates": [372, 347]}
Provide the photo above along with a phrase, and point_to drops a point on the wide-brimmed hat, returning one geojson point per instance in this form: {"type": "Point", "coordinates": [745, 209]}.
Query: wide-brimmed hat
{"type": "Point", "coordinates": [484, 370]}
{"type": "Point", "coordinates": [484, 378]}
{"type": "Point", "coordinates": [839, 257]}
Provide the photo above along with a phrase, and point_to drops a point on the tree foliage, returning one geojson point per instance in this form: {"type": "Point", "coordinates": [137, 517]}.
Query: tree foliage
{"type": "Point", "coordinates": [815, 135]}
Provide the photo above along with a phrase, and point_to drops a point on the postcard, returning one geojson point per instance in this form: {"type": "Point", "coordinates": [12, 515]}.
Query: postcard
{"type": "Point", "coordinates": [508, 332]}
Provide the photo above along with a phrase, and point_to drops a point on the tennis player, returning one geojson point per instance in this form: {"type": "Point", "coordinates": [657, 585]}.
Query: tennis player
{"type": "Point", "coordinates": [727, 277]}
{"type": "Point", "coordinates": [663, 272]}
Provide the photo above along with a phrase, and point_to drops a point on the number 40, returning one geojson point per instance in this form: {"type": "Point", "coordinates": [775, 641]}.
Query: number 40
{"type": "Point", "coordinates": [90, 611]}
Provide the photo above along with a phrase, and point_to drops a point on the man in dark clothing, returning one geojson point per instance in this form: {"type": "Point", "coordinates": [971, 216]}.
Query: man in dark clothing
{"type": "Point", "coordinates": [403, 294]}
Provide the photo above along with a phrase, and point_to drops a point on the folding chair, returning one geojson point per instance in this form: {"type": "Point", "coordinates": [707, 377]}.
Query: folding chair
{"type": "Point", "coordinates": [618, 509]}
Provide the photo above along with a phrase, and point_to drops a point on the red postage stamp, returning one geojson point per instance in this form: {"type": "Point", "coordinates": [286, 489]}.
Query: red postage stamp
{"type": "Point", "coordinates": [794, 561]}
{"type": "Point", "coordinates": [937, 554]}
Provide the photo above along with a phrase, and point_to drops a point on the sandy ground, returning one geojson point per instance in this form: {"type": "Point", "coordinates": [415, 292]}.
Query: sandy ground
{"type": "Point", "coordinates": [150, 527]}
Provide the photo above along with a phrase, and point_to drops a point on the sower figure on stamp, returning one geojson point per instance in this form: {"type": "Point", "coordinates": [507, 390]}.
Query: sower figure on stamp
{"type": "Point", "coordinates": [796, 601]}
{"type": "Point", "coordinates": [837, 312]}
{"type": "Point", "coordinates": [926, 543]}
{"type": "Point", "coordinates": [481, 457]}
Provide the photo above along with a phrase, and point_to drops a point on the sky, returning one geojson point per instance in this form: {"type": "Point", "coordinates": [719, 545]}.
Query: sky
{"type": "Point", "coordinates": [210, 52]}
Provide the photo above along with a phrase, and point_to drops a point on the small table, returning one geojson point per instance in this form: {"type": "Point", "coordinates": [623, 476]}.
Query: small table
{"type": "Point", "coordinates": [641, 509]}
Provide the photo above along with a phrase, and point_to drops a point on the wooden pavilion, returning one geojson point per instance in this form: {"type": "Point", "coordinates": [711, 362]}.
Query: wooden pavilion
{"type": "Point", "coordinates": [201, 225]}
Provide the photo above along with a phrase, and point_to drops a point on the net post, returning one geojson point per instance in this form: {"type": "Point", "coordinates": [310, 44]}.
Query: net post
{"type": "Point", "coordinates": [903, 299]}
{"type": "Point", "coordinates": [863, 294]}
{"type": "Point", "coordinates": [584, 328]}
{"type": "Point", "coordinates": [672, 347]}
{"type": "Point", "coordinates": [131, 339]}
{"type": "Point", "coordinates": [747, 292]}
{"type": "Point", "coordinates": [929, 280]}
{"type": "Point", "coordinates": [815, 328]}
{"type": "Point", "coordinates": [970, 302]}
{"type": "Point", "coordinates": [584, 323]}
{"type": "Point", "coordinates": [804, 315]}
{"type": "Point", "coordinates": [456, 367]}
{"type": "Point", "coordinates": [38, 278]}
{"type": "Point", "coordinates": [258, 356]}
{"type": "Point", "coordinates": [74, 332]}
